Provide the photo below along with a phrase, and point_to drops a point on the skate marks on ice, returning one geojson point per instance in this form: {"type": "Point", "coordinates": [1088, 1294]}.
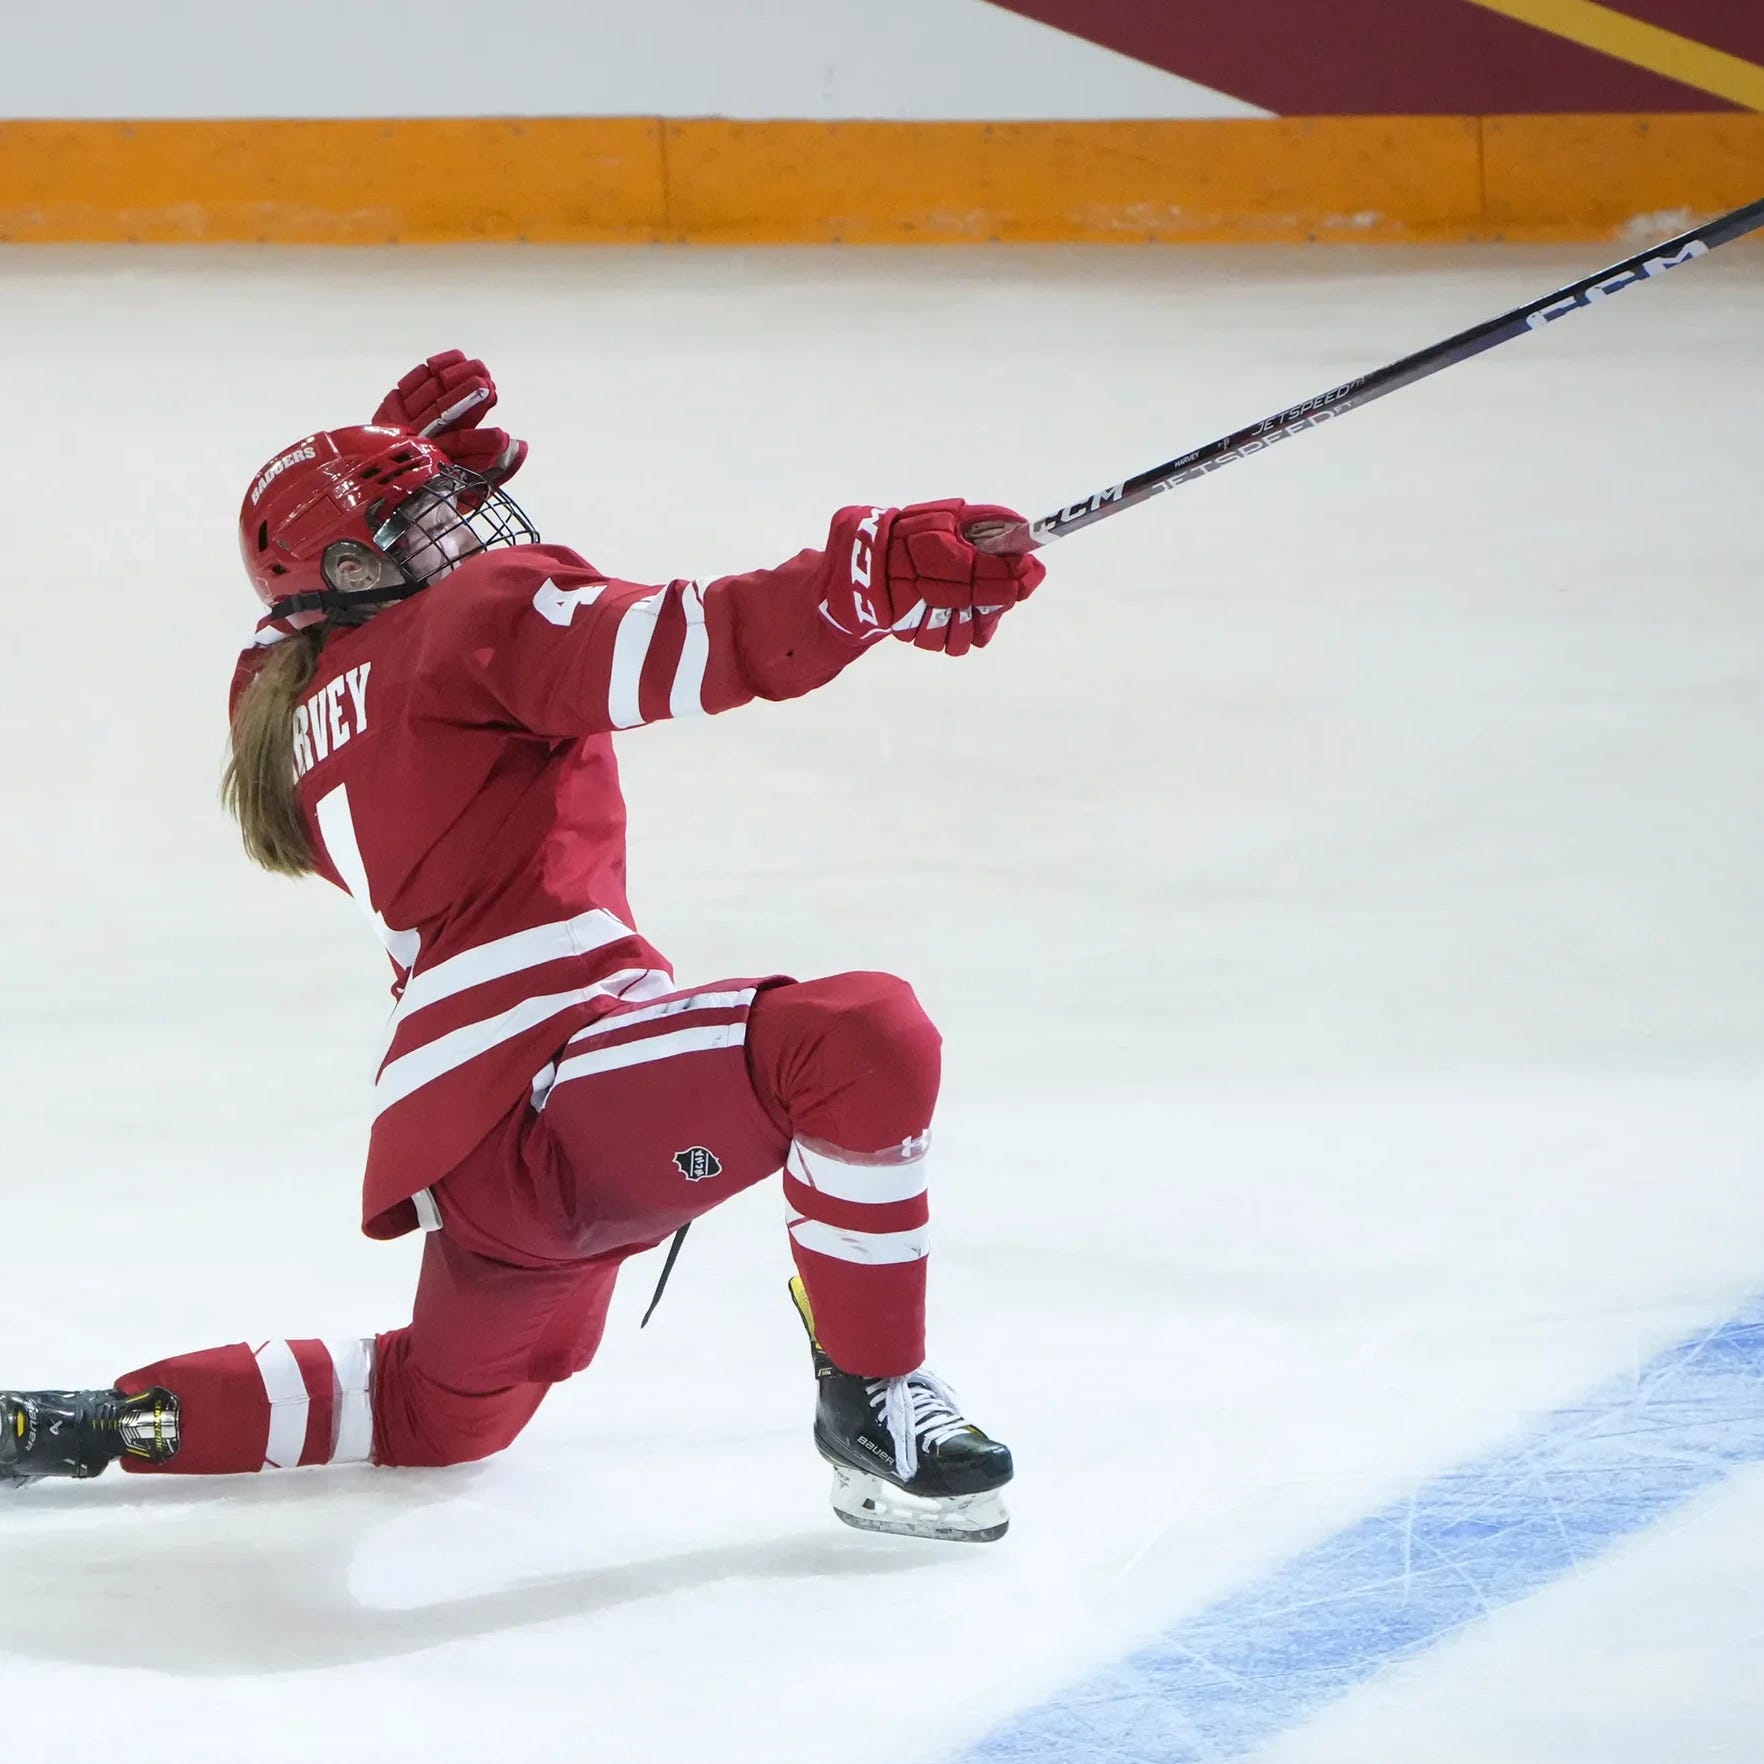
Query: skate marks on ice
{"type": "Point", "coordinates": [242, 1577]}
{"type": "Point", "coordinates": [1485, 1535]}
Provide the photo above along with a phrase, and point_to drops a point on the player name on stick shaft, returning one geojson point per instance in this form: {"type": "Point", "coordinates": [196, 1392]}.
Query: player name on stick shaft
{"type": "Point", "coordinates": [1356, 394]}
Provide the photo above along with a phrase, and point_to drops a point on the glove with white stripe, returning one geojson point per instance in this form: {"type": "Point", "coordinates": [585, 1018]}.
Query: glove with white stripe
{"type": "Point", "coordinates": [917, 573]}
{"type": "Point", "coordinates": [445, 400]}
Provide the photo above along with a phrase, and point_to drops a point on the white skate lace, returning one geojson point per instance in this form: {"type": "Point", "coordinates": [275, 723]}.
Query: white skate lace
{"type": "Point", "coordinates": [918, 1407]}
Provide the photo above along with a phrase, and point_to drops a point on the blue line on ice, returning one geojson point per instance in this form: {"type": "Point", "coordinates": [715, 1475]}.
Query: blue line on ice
{"type": "Point", "coordinates": [1227, 1680]}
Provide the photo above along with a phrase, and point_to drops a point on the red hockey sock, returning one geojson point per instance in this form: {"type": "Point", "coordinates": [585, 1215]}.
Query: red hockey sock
{"type": "Point", "coordinates": [849, 1067]}
{"type": "Point", "coordinates": [267, 1407]}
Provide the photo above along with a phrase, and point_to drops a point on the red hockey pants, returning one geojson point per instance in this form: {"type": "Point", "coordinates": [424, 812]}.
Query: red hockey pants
{"type": "Point", "coordinates": [645, 1120]}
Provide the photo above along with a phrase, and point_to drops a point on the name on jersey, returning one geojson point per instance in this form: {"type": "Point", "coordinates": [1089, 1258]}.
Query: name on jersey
{"type": "Point", "coordinates": [329, 718]}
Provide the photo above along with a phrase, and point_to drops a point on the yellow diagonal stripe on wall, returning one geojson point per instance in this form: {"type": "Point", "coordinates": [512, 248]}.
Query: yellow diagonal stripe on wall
{"type": "Point", "coordinates": [1628, 39]}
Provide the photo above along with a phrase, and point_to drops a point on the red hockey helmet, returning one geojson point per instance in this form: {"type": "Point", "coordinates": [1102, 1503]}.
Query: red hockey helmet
{"type": "Point", "coordinates": [353, 518]}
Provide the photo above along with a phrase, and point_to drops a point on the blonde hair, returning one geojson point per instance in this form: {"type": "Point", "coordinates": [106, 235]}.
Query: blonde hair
{"type": "Point", "coordinates": [258, 784]}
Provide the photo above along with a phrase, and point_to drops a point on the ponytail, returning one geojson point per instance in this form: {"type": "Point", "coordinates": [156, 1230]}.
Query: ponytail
{"type": "Point", "coordinates": [258, 785]}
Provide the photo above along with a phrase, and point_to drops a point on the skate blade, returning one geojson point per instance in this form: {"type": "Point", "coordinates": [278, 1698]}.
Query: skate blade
{"type": "Point", "coordinates": [870, 1504]}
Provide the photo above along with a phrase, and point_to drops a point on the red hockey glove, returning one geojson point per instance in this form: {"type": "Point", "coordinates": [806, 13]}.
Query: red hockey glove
{"type": "Point", "coordinates": [915, 573]}
{"type": "Point", "coordinates": [445, 400]}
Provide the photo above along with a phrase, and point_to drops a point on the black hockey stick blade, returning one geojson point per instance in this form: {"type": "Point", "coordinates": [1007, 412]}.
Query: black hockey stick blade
{"type": "Point", "coordinates": [1356, 394]}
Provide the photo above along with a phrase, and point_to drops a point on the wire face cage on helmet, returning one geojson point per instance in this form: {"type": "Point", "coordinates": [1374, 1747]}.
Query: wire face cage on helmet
{"type": "Point", "coordinates": [451, 516]}
{"type": "Point", "coordinates": [454, 515]}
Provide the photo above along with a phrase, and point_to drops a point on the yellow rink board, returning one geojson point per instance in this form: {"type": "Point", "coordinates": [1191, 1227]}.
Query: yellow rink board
{"type": "Point", "coordinates": [625, 180]}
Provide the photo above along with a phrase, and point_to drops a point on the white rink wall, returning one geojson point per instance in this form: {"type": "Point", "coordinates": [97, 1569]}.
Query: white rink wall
{"type": "Point", "coordinates": [911, 60]}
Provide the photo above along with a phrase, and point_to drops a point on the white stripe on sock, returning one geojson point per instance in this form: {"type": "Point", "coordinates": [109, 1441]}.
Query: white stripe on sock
{"type": "Point", "coordinates": [352, 1417]}
{"type": "Point", "coordinates": [873, 1184]}
{"type": "Point", "coordinates": [289, 1404]}
{"type": "Point", "coordinates": [873, 1248]}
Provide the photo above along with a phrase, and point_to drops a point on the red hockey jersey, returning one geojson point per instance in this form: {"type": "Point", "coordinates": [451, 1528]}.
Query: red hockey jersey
{"type": "Point", "coordinates": [456, 776]}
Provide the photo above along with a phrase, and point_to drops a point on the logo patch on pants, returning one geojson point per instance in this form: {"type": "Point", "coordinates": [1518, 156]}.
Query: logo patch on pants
{"type": "Point", "coordinates": [696, 1164]}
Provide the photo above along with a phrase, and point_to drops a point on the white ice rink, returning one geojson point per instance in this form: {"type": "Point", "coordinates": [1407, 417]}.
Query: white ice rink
{"type": "Point", "coordinates": [1339, 890]}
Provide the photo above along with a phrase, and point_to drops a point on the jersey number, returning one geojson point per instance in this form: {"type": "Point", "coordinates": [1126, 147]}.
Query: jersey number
{"type": "Point", "coordinates": [558, 605]}
{"type": "Point", "coordinates": [337, 829]}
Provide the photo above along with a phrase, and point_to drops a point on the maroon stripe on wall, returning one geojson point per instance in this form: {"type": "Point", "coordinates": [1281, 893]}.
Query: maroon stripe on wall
{"type": "Point", "coordinates": [1369, 57]}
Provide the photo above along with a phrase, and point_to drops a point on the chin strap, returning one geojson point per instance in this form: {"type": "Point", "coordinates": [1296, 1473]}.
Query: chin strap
{"type": "Point", "coordinates": [334, 600]}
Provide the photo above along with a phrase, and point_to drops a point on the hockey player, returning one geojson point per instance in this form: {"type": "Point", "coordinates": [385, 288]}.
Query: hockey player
{"type": "Point", "coordinates": [424, 718]}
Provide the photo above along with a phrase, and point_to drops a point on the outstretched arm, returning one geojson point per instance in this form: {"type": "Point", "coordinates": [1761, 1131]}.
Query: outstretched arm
{"type": "Point", "coordinates": [569, 653]}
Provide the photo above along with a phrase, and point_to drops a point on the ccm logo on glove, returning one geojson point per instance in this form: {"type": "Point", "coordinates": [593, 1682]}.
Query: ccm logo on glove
{"type": "Point", "coordinates": [863, 553]}
{"type": "Point", "coordinates": [916, 573]}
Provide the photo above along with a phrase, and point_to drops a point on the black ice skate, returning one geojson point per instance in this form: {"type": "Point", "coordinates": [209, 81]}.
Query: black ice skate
{"type": "Point", "coordinates": [79, 1432]}
{"type": "Point", "coordinates": [904, 1457]}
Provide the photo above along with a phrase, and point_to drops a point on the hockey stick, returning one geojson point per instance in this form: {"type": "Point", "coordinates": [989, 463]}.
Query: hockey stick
{"type": "Point", "coordinates": [1355, 394]}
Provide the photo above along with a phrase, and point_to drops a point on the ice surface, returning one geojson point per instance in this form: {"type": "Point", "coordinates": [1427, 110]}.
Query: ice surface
{"type": "Point", "coordinates": [1338, 891]}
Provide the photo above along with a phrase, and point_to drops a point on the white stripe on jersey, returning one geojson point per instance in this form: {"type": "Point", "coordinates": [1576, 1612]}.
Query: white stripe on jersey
{"type": "Point", "coordinates": [423, 1065]}
{"type": "Point", "coordinates": [687, 697]}
{"type": "Point", "coordinates": [503, 956]}
{"type": "Point", "coordinates": [655, 1047]}
{"type": "Point", "coordinates": [655, 1013]}
{"type": "Point", "coordinates": [637, 623]}
{"type": "Point", "coordinates": [626, 983]}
